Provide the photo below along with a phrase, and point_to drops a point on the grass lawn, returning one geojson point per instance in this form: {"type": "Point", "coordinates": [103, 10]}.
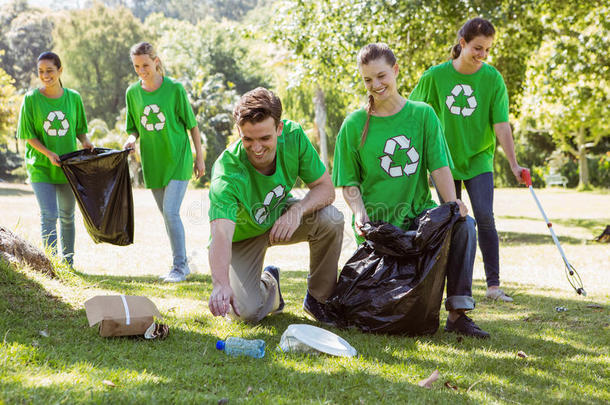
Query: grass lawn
{"type": "Point", "coordinates": [568, 359]}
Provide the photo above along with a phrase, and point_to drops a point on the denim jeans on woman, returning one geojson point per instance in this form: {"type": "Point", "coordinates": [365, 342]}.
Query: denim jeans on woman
{"type": "Point", "coordinates": [56, 201]}
{"type": "Point", "coordinates": [169, 199]}
{"type": "Point", "coordinates": [481, 193]}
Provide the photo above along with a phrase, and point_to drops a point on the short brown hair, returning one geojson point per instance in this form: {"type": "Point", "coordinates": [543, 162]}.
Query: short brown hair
{"type": "Point", "coordinates": [257, 105]}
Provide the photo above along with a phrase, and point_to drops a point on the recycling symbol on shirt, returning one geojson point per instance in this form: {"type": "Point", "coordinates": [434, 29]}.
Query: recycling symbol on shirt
{"type": "Point", "coordinates": [387, 159]}
{"type": "Point", "coordinates": [263, 212]}
{"type": "Point", "coordinates": [471, 100]}
{"type": "Point", "coordinates": [160, 117]}
{"type": "Point", "coordinates": [48, 123]}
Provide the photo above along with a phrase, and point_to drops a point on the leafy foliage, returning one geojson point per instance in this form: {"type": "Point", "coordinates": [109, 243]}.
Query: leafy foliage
{"type": "Point", "coordinates": [96, 56]}
{"type": "Point", "coordinates": [567, 88]}
{"type": "Point", "coordinates": [9, 107]}
{"type": "Point", "coordinates": [215, 66]}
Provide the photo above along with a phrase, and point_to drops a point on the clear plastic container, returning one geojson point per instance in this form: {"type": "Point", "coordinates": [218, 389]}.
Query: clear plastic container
{"type": "Point", "coordinates": [235, 346]}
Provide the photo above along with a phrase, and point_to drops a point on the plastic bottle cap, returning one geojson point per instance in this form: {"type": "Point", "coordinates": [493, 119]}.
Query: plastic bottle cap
{"type": "Point", "coordinates": [220, 345]}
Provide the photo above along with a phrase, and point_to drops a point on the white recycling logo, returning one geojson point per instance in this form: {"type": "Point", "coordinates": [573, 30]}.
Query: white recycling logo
{"type": "Point", "coordinates": [390, 148]}
{"type": "Point", "coordinates": [471, 100]}
{"type": "Point", "coordinates": [48, 123]}
{"type": "Point", "coordinates": [262, 213]}
{"type": "Point", "coordinates": [160, 117]}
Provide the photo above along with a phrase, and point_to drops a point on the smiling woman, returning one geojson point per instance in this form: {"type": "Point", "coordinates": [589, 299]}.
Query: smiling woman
{"type": "Point", "coordinates": [160, 115]}
{"type": "Point", "coordinates": [383, 156]}
{"type": "Point", "coordinates": [51, 119]}
{"type": "Point", "coordinates": [470, 98]}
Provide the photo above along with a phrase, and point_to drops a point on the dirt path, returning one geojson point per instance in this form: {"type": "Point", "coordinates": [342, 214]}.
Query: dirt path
{"type": "Point", "coordinates": [527, 252]}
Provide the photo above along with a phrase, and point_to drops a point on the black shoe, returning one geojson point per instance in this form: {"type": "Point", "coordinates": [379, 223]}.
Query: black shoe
{"type": "Point", "coordinates": [275, 273]}
{"type": "Point", "coordinates": [316, 310]}
{"type": "Point", "coordinates": [465, 326]}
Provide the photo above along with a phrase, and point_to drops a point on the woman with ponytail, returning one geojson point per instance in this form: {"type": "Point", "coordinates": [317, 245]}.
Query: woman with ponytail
{"type": "Point", "coordinates": [52, 117]}
{"type": "Point", "coordinates": [160, 115]}
{"type": "Point", "coordinates": [383, 155]}
{"type": "Point", "coordinates": [470, 99]}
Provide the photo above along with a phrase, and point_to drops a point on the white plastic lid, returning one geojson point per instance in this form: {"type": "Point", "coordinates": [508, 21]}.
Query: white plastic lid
{"type": "Point", "coordinates": [297, 335]}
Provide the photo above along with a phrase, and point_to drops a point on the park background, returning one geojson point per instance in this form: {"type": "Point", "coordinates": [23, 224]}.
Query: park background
{"type": "Point", "coordinates": [554, 56]}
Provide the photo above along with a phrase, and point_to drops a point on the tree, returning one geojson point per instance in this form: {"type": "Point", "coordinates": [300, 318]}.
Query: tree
{"type": "Point", "coordinates": [94, 44]}
{"type": "Point", "coordinates": [29, 35]}
{"type": "Point", "coordinates": [324, 37]}
{"type": "Point", "coordinates": [215, 66]}
{"type": "Point", "coordinates": [9, 108]}
{"type": "Point", "coordinates": [567, 88]}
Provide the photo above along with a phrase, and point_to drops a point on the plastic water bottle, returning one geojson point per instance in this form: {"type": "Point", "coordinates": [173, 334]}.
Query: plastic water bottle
{"type": "Point", "coordinates": [235, 346]}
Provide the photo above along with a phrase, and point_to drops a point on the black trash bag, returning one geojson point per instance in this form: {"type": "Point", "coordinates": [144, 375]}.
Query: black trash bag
{"type": "Point", "coordinates": [102, 186]}
{"type": "Point", "coordinates": [394, 282]}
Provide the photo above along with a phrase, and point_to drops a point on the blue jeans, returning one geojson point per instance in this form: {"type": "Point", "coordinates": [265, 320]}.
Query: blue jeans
{"type": "Point", "coordinates": [56, 200]}
{"type": "Point", "coordinates": [169, 199]}
{"type": "Point", "coordinates": [481, 192]}
{"type": "Point", "coordinates": [460, 264]}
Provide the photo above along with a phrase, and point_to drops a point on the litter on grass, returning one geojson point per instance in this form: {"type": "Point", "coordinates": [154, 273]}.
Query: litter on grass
{"type": "Point", "coordinates": [311, 339]}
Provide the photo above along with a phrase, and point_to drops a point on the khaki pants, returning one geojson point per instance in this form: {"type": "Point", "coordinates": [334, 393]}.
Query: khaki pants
{"type": "Point", "coordinates": [256, 293]}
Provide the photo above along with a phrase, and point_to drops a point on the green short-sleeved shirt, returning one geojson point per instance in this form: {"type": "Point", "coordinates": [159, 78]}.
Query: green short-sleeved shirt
{"type": "Point", "coordinates": [161, 118]}
{"type": "Point", "coordinates": [55, 122]}
{"type": "Point", "coordinates": [468, 107]}
{"type": "Point", "coordinates": [391, 168]}
{"type": "Point", "coordinates": [252, 200]}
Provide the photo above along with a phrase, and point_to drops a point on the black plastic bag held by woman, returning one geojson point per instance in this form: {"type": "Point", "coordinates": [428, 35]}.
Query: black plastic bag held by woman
{"type": "Point", "coordinates": [102, 186]}
{"type": "Point", "coordinates": [394, 282]}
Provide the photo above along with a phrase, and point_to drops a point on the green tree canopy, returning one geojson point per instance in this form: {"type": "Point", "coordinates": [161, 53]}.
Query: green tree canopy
{"type": "Point", "coordinates": [567, 89]}
{"type": "Point", "coordinates": [94, 46]}
{"type": "Point", "coordinates": [26, 33]}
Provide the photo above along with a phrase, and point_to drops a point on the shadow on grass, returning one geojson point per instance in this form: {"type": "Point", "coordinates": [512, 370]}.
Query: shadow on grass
{"type": "Point", "coordinates": [70, 365]}
{"type": "Point", "coordinates": [523, 238]}
{"type": "Point", "coordinates": [14, 192]}
{"type": "Point", "coordinates": [593, 225]}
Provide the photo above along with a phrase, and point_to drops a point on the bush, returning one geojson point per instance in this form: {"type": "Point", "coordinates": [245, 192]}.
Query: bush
{"type": "Point", "coordinates": [9, 162]}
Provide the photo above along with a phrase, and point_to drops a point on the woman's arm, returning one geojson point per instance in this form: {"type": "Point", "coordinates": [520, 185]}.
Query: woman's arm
{"type": "Point", "coordinates": [36, 144]}
{"type": "Point", "coordinates": [199, 167]}
{"type": "Point", "coordinates": [505, 137]}
{"type": "Point", "coordinates": [353, 198]}
{"type": "Point", "coordinates": [443, 179]}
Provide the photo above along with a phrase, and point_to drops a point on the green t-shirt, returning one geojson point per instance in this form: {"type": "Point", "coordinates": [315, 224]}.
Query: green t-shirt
{"type": "Point", "coordinates": [391, 168]}
{"type": "Point", "coordinates": [252, 200]}
{"type": "Point", "coordinates": [161, 118]}
{"type": "Point", "coordinates": [55, 122]}
{"type": "Point", "coordinates": [468, 107]}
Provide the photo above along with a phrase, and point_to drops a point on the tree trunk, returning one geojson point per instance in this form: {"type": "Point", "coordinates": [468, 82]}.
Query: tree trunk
{"type": "Point", "coordinates": [583, 172]}
{"type": "Point", "coordinates": [320, 120]}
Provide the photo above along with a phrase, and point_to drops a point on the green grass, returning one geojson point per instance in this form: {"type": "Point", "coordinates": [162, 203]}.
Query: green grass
{"type": "Point", "coordinates": [568, 359]}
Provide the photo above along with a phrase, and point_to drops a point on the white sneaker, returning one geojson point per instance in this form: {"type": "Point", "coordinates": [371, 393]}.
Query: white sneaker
{"type": "Point", "coordinates": [498, 295]}
{"type": "Point", "coordinates": [175, 276]}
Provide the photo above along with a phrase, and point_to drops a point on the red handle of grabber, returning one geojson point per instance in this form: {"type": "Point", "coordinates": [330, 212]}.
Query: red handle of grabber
{"type": "Point", "coordinates": [526, 177]}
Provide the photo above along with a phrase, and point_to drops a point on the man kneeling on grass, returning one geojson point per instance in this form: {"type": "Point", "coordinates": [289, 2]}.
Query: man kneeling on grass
{"type": "Point", "coordinates": [251, 209]}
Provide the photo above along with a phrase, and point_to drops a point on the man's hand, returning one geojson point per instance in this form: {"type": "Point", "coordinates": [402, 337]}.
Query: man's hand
{"type": "Point", "coordinates": [221, 300]}
{"type": "Point", "coordinates": [284, 227]}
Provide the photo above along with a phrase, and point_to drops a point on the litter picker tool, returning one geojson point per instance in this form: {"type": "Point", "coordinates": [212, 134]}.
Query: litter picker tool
{"type": "Point", "coordinates": [571, 273]}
